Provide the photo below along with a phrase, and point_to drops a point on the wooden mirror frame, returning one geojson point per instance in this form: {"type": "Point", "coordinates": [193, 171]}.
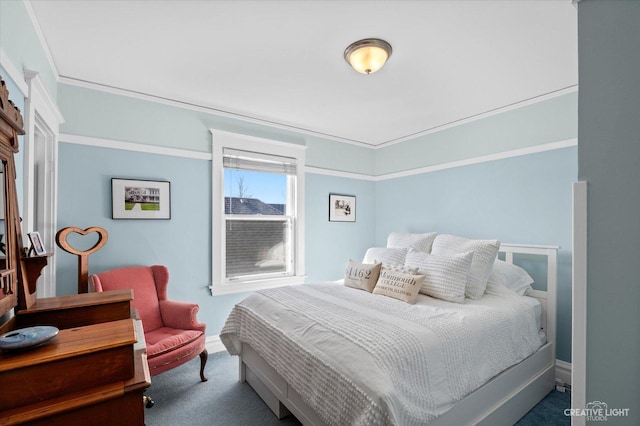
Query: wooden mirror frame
{"type": "Point", "coordinates": [11, 125]}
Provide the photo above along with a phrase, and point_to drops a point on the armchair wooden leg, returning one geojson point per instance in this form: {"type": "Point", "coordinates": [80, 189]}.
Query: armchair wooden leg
{"type": "Point", "coordinates": [204, 355]}
{"type": "Point", "coordinates": [148, 401]}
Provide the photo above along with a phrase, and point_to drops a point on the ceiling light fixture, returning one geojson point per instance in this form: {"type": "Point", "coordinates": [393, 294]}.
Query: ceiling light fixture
{"type": "Point", "coordinates": [368, 55]}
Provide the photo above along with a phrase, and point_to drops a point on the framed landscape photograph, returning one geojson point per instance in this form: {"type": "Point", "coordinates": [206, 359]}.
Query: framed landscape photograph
{"type": "Point", "coordinates": [342, 208]}
{"type": "Point", "coordinates": [140, 199]}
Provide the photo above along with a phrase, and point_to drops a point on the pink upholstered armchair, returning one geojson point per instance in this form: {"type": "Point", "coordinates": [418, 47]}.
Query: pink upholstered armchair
{"type": "Point", "coordinates": [171, 330]}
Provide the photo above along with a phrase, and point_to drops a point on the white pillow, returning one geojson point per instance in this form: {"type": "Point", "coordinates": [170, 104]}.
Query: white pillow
{"type": "Point", "coordinates": [392, 256]}
{"type": "Point", "coordinates": [400, 268]}
{"type": "Point", "coordinates": [484, 254]}
{"type": "Point", "coordinates": [420, 242]}
{"type": "Point", "coordinates": [398, 285]}
{"type": "Point", "coordinates": [510, 276]}
{"type": "Point", "coordinates": [445, 276]}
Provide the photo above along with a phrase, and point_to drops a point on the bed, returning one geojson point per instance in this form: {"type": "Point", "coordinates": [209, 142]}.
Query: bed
{"type": "Point", "coordinates": [334, 355]}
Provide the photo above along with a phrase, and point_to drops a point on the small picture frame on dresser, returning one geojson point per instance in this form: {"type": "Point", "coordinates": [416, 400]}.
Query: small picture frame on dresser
{"type": "Point", "coordinates": [36, 243]}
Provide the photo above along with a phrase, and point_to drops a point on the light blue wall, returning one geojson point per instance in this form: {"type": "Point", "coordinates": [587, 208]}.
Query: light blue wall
{"type": "Point", "coordinates": [523, 199]}
{"type": "Point", "coordinates": [331, 244]}
{"type": "Point", "coordinates": [551, 120]}
{"type": "Point", "coordinates": [332, 155]}
{"type": "Point", "coordinates": [609, 160]}
{"type": "Point", "coordinates": [15, 95]}
{"type": "Point", "coordinates": [182, 243]}
{"type": "Point", "coordinates": [19, 40]}
{"type": "Point", "coordinates": [110, 116]}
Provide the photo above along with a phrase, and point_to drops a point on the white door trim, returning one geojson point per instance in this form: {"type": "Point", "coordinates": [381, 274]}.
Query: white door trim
{"type": "Point", "coordinates": [40, 164]}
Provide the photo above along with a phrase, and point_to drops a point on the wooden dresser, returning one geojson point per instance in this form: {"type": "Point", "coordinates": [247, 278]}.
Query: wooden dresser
{"type": "Point", "coordinates": [94, 372]}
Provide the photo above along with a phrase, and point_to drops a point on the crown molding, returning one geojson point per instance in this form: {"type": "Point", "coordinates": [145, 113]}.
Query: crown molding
{"type": "Point", "coordinates": [206, 110]}
{"type": "Point", "coordinates": [482, 115]}
{"type": "Point", "coordinates": [41, 39]}
{"type": "Point", "coordinates": [482, 159]}
{"type": "Point", "coordinates": [299, 130]}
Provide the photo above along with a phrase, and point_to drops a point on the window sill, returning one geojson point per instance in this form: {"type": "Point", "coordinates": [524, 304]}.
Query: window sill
{"type": "Point", "coordinates": [248, 286]}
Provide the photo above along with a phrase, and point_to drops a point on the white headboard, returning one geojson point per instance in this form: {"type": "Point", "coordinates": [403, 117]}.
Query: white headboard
{"type": "Point", "coordinates": [547, 298]}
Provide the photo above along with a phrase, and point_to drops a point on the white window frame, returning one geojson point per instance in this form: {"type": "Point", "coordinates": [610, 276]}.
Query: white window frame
{"type": "Point", "coordinates": [222, 139]}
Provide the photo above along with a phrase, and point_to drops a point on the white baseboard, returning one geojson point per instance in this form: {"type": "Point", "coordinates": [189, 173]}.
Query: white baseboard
{"type": "Point", "coordinates": [214, 344]}
{"type": "Point", "coordinates": [563, 368]}
{"type": "Point", "coordinates": [563, 371]}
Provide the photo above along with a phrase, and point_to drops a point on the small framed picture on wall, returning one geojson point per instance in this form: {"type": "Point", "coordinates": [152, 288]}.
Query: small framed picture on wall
{"type": "Point", "coordinates": [140, 199]}
{"type": "Point", "coordinates": [342, 208]}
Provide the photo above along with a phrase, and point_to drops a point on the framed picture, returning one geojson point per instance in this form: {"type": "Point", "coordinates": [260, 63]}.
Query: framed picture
{"type": "Point", "coordinates": [342, 208]}
{"type": "Point", "coordinates": [36, 243]}
{"type": "Point", "coordinates": [140, 199]}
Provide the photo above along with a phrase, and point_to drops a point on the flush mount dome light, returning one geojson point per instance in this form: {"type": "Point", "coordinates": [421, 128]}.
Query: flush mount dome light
{"type": "Point", "coordinates": [368, 56]}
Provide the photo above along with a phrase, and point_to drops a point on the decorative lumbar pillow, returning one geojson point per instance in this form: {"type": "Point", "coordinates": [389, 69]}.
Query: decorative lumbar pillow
{"type": "Point", "coordinates": [362, 276]}
{"type": "Point", "coordinates": [484, 255]}
{"type": "Point", "coordinates": [420, 242]}
{"type": "Point", "coordinates": [510, 276]}
{"type": "Point", "coordinates": [445, 276]}
{"type": "Point", "coordinates": [392, 256]}
{"type": "Point", "coordinates": [398, 285]}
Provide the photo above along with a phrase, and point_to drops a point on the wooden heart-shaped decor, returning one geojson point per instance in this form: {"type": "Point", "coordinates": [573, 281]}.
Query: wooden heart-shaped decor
{"type": "Point", "coordinates": [83, 255]}
{"type": "Point", "coordinates": [63, 234]}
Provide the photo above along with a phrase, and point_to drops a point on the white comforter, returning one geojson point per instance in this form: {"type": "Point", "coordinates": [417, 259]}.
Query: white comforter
{"type": "Point", "coordinates": [364, 359]}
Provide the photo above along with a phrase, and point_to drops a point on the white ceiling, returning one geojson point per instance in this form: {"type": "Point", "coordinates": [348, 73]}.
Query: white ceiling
{"type": "Point", "coordinates": [282, 61]}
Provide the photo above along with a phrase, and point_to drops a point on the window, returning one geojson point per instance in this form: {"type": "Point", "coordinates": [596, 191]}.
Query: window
{"type": "Point", "coordinates": [258, 231]}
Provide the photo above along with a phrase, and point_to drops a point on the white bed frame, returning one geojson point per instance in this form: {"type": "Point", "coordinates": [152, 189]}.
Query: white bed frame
{"type": "Point", "coordinates": [501, 401]}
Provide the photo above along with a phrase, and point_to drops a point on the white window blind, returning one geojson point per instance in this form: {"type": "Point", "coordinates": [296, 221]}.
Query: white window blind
{"type": "Point", "coordinates": [258, 247]}
{"type": "Point", "coordinates": [258, 162]}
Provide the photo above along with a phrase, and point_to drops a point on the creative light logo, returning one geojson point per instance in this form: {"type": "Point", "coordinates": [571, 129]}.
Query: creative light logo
{"type": "Point", "coordinates": [597, 411]}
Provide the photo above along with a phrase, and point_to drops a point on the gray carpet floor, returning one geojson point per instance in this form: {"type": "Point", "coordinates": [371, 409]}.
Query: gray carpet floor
{"type": "Point", "coordinates": [182, 399]}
